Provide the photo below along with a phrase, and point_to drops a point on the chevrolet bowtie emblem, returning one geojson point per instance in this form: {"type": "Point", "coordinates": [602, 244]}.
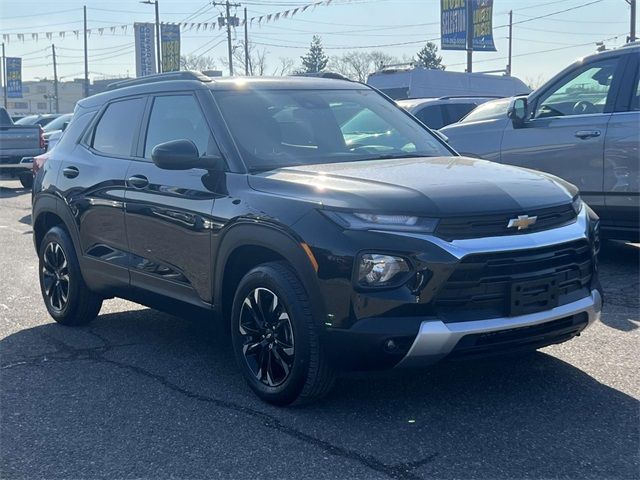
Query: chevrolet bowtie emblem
{"type": "Point", "coordinates": [522, 222]}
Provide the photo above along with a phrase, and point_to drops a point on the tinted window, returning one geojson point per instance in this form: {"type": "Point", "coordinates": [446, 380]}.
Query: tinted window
{"type": "Point", "coordinates": [118, 126]}
{"type": "Point", "coordinates": [455, 111]}
{"type": "Point", "coordinates": [178, 117]}
{"type": "Point", "coordinates": [431, 116]}
{"type": "Point", "coordinates": [583, 91]}
{"type": "Point", "coordinates": [275, 128]}
{"type": "Point", "coordinates": [635, 99]}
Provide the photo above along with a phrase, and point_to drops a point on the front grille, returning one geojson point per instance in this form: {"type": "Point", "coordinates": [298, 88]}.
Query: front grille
{"type": "Point", "coordinates": [457, 228]}
{"type": "Point", "coordinates": [480, 286]}
{"type": "Point", "coordinates": [517, 339]}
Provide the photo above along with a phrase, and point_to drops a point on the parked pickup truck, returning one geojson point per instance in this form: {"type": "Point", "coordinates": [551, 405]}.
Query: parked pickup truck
{"type": "Point", "coordinates": [18, 145]}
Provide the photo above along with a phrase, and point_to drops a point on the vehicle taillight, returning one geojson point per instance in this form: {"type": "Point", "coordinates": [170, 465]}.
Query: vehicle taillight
{"type": "Point", "coordinates": [42, 142]}
{"type": "Point", "coordinates": [38, 162]}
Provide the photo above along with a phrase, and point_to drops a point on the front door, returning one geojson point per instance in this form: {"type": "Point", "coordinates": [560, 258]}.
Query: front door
{"type": "Point", "coordinates": [168, 212]}
{"type": "Point", "coordinates": [565, 136]}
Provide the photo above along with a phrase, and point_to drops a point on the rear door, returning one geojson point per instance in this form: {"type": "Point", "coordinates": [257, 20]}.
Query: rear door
{"type": "Point", "coordinates": [566, 133]}
{"type": "Point", "coordinates": [168, 212]}
{"type": "Point", "coordinates": [622, 154]}
{"type": "Point", "coordinates": [92, 183]}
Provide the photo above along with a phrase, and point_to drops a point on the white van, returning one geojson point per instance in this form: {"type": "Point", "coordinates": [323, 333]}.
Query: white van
{"type": "Point", "coordinates": [425, 83]}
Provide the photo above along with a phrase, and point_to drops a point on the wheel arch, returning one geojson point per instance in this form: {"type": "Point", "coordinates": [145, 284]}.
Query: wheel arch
{"type": "Point", "coordinates": [46, 214]}
{"type": "Point", "coordinates": [245, 246]}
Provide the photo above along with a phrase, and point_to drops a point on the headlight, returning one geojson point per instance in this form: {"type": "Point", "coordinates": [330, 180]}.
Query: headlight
{"type": "Point", "coordinates": [577, 204]}
{"type": "Point", "coordinates": [377, 270]}
{"type": "Point", "coordinates": [374, 221]}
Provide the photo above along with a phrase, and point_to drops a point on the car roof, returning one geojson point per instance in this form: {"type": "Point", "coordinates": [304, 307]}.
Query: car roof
{"type": "Point", "coordinates": [158, 84]}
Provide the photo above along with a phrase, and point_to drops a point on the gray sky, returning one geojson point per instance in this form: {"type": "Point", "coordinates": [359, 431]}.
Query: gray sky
{"type": "Point", "coordinates": [399, 27]}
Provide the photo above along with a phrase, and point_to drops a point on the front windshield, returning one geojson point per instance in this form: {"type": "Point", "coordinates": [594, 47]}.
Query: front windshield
{"type": "Point", "coordinates": [57, 123]}
{"type": "Point", "coordinates": [279, 128]}
{"type": "Point", "coordinates": [488, 111]}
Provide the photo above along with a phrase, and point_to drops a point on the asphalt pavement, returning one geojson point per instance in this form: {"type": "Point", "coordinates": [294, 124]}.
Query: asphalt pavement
{"type": "Point", "coordinates": [143, 394]}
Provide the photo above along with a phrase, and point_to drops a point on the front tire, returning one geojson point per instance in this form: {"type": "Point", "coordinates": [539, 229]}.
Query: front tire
{"type": "Point", "coordinates": [66, 296]}
{"type": "Point", "coordinates": [26, 179]}
{"type": "Point", "coordinates": [275, 340]}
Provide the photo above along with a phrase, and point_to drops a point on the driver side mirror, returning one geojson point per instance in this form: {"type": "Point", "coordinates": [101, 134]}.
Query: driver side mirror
{"type": "Point", "coordinates": [64, 126]}
{"type": "Point", "coordinates": [183, 155]}
{"type": "Point", "coordinates": [517, 111]}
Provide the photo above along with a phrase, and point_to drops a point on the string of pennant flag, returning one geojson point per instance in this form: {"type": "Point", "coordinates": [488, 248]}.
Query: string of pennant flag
{"type": "Point", "coordinates": [185, 26]}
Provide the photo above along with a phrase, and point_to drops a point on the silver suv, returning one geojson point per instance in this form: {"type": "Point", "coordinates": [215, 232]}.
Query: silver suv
{"type": "Point", "coordinates": [582, 125]}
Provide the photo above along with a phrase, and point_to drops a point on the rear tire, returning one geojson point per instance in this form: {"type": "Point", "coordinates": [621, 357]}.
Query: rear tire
{"type": "Point", "coordinates": [26, 179]}
{"type": "Point", "coordinates": [275, 338]}
{"type": "Point", "coordinates": [64, 291]}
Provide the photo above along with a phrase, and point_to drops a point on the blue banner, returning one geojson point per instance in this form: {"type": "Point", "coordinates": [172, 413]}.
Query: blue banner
{"type": "Point", "coordinates": [145, 49]}
{"type": "Point", "coordinates": [14, 77]}
{"type": "Point", "coordinates": [453, 24]}
{"type": "Point", "coordinates": [170, 41]}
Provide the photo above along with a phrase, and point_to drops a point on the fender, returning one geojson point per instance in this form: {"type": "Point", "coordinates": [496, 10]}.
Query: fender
{"type": "Point", "coordinates": [275, 238]}
{"type": "Point", "coordinates": [47, 203]}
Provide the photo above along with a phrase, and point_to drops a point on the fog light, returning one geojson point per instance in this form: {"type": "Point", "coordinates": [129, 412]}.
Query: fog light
{"type": "Point", "coordinates": [375, 270]}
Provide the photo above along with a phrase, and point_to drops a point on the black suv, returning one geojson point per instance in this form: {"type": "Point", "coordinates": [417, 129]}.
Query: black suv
{"type": "Point", "coordinates": [327, 226]}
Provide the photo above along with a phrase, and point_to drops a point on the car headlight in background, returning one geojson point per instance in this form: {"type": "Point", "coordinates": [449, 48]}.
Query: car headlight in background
{"type": "Point", "coordinates": [379, 270]}
{"type": "Point", "coordinates": [577, 204]}
{"type": "Point", "coordinates": [374, 221]}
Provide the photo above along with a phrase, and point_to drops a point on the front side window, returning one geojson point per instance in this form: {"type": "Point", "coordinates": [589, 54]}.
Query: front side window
{"type": "Point", "coordinates": [584, 91]}
{"type": "Point", "coordinates": [118, 126]}
{"type": "Point", "coordinates": [278, 128]}
{"type": "Point", "coordinates": [178, 117]}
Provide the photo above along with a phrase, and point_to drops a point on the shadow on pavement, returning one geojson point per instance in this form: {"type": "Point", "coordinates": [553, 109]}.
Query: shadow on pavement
{"type": "Point", "coordinates": [620, 279]}
{"type": "Point", "coordinates": [13, 192]}
{"type": "Point", "coordinates": [144, 394]}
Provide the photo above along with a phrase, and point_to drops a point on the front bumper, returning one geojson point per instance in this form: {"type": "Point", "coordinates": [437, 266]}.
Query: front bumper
{"type": "Point", "coordinates": [436, 340]}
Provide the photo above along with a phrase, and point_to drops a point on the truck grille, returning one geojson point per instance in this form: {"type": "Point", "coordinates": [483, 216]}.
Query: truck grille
{"type": "Point", "coordinates": [481, 285]}
{"type": "Point", "coordinates": [457, 228]}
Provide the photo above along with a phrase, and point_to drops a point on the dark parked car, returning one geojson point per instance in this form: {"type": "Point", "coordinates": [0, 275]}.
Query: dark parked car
{"type": "Point", "coordinates": [321, 249]}
{"type": "Point", "coordinates": [438, 112]}
{"type": "Point", "coordinates": [582, 125]}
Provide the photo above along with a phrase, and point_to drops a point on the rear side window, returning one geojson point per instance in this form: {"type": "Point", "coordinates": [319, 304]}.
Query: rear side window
{"type": "Point", "coordinates": [431, 116]}
{"type": "Point", "coordinates": [178, 117]}
{"type": "Point", "coordinates": [455, 111]}
{"type": "Point", "coordinates": [118, 126]}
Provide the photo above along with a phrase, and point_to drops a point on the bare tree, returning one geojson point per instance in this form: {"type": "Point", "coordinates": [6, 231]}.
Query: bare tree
{"type": "Point", "coordinates": [196, 62]}
{"type": "Point", "coordinates": [379, 59]}
{"type": "Point", "coordinates": [257, 59]}
{"type": "Point", "coordinates": [286, 67]}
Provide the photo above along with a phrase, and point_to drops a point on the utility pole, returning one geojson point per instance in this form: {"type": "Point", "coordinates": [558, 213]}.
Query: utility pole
{"type": "Point", "coordinates": [229, 21]}
{"type": "Point", "coordinates": [4, 75]}
{"type": "Point", "coordinates": [510, 42]}
{"type": "Point", "coordinates": [157, 8]}
{"type": "Point", "coordinates": [55, 78]}
{"type": "Point", "coordinates": [469, 36]}
{"type": "Point", "coordinates": [246, 44]}
{"type": "Point", "coordinates": [86, 56]}
{"type": "Point", "coordinates": [632, 26]}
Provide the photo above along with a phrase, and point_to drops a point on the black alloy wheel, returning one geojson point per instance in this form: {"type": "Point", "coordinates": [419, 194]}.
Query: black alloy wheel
{"type": "Point", "coordinates": [55, 276]}
{"type": "Point", "coordinates": [268, 340]}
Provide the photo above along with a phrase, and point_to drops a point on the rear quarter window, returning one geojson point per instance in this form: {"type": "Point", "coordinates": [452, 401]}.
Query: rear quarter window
{"type": "Point", "coordinates": [118, 127]}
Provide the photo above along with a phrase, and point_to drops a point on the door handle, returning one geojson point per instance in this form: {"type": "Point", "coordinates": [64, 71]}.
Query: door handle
{"type": "Point", "coordinates": [70, 172]}
{"type": "Point", "coordinates": [138, 181]}
{"type": "Point", "coordinates": [584, 134]}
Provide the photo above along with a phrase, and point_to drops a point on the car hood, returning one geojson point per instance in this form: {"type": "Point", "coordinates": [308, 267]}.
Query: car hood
{"type": "Point", "coordinates": [435, 186]}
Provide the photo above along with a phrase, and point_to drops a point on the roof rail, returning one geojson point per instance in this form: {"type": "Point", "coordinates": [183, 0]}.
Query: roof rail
{"type": "Point", "coordinates": [333, 75]}
{"type": "Point", "coordinates": [450, 97]}
{"type": "Point", "coordinates": [160, 77]}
